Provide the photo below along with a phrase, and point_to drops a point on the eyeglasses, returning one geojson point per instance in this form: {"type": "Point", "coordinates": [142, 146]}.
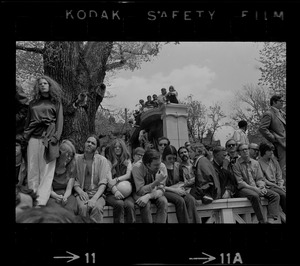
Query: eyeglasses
{"type": "Point", "coordinates": [231, 145]}
{"type": "Point", "coordinates": [140, 155]}
{"type": "Point", "coordinates": [254, 149]}
{"type": "Point", "coordinates": [246, 149]}
{"type": "Point", "coordinates": [162, 144]}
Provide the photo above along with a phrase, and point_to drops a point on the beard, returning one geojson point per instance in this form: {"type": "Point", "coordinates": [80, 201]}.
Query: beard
{"type": "Point", "coordinates": [89, 150]}
{"type": "Point", "coordinates": [184, 158]}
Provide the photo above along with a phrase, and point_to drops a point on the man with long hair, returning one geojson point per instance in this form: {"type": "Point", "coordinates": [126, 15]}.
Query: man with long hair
{"type": "Point", "coordinates": [92, 173]}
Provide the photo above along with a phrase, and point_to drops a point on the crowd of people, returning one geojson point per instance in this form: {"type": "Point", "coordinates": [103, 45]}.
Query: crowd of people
{"type": "Point", "coordinates": [54, 183]}
{"type": "Point", "coordinates": [155, 101]}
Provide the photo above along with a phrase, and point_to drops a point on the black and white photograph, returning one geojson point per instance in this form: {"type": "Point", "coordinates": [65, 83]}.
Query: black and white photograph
{"type": "Point", "coordinates": [167, 114]}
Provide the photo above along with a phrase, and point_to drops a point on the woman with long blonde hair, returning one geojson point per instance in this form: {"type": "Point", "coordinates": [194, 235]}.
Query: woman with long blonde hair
{"type": "Point", "coordinates": [63, 181]}
{"type": "Point", "coordinates": [120, 162]}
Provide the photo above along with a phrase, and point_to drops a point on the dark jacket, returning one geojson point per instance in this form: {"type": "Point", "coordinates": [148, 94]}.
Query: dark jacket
{"type": "Point", "coordinates": [206, 180]}
{"type": "Point", "coordinates": [226, 178]}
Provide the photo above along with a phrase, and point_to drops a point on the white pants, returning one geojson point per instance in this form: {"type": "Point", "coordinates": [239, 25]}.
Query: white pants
{"type": "Point", "coordinates": [40, 174]}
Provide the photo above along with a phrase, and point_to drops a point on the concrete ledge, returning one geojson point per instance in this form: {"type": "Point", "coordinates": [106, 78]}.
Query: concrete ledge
{"type": "Point", "coordinates": [233, 210]}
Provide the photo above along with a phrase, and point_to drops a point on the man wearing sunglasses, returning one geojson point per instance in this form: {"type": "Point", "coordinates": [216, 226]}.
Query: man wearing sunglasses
{"type": "Point", "coordinates": [273, 128]}
{"type": "Point", "coordinates": [232, 155]}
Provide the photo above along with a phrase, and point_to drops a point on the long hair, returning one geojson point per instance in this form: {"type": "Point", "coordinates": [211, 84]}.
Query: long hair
{"type": "Point", "coordinates": [113, 158]}
{"type": "Point", "coordinates": [169, 150]}
{"type": "Point", "coordinates": [67, 146]}
{"type": "Point", "coordinates": [55, 90]}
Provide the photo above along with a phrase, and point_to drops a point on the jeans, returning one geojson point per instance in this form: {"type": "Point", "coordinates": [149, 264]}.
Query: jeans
{"type": "Point", "coordinates": [254, 197]}
{"type": "Point", "coordinates": [281, 152]}
{"type": "Point", "coordinates": [282, 196]}
{"type": "Point", "coordinates": [70, 204]}
{"type": "Point", "coordinates": [95, 213]}
{"type": "Point", "coordinates": [120, 207]}
{"type": "Point", "coordinates": [185, 206]}
{"type": "Point", "coordinates": [161, 204]}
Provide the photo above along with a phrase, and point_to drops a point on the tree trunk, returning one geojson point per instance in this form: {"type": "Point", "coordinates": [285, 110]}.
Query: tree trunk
{"type": "Point", "coordinates": [67, 64]}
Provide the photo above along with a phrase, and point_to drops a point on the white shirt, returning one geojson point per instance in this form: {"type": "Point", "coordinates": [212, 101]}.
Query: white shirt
{"type": "Point", "coordinates": [240, 136]}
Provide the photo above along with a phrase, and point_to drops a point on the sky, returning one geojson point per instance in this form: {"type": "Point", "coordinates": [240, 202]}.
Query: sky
{"type": "Point", "coordinates": [210, 71]}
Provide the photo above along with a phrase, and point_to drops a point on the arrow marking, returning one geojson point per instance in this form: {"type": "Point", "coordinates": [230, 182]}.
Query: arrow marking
{"type": "Point", "coordinates": [73, 257]}
{"type": "Point", "coordinates": [208, 258]}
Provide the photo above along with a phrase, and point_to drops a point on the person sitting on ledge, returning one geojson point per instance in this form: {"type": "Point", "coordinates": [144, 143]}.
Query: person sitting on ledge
{"type": "Point", "coordinates": [172, 95]}
{"type": "Point", "coordinates": [227, 180]}
{"type": "Point", "coordinates": [207, 184]}
{"type": "Point", "coordinates": [251, 185]}
{"type": "Point", "coordinates": [141, 105]}
{"type": "Point", "coordinates": [149, 175]}
{"type": "Point", "coordinates": [155, 100]}
{"type": "Point", "coordinates": [185, 203]}
{"type": "Point", "coordinates": [162, 97]}
{"type": "Point", "coordinates": [272, 172]}
{"type": "Point", "coordinates": [149, 103]}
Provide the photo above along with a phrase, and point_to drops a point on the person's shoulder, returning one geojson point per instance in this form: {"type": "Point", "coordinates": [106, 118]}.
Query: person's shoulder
{"type": "Point", "coordinates": [274, 160]}
{"type": "Point", "coordinates": [127, 162]}
{"type": "Point", "coordinates": [269, 112]}
{"type": "Point", "coordinates": [201, 161]}
{"type": "Point", "coordinates": [100, 157]}
{"type": "Point", "coordinates": [254, 162]}
{"type": "Point", "coordinates": [177, 164]}
{"type": "Point", "coordinates": [138, 168]}
{"type": "Point", "coordinates": [239, 160]}
{"type": "Point", "coordinates": [162, 166]}
{"type": "Point", "coordinates": [32, 102]}
{"type": "Point", "coordinates": [79, 156]}
{"type": "Point", "coordinates": [138, 164]}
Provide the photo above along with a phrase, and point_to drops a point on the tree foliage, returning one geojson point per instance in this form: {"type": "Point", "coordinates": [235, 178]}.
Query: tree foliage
{"type": "Point", "coordinates": [215, 114]}
{"type": "Point", "coordinates": [197, 120]}
{"type": "Point", "coordinates": [273, 70]}
{"type": "Point", "coordinates": [249, 104]}
{"type": "Point", "coordinates": [114, 121]}
{"type": "Point", "coordinates": [81, 67]}
{"type": "Point", "coordinates": [253, 100]}
{"type": "Point", "coordinates": [203, 121]}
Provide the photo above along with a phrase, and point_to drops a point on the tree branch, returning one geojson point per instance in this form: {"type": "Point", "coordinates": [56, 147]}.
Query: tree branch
{"type": "Point", "coordinates": [115, 65]}
{"type": "Point", "coordinates": [30, 49]}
